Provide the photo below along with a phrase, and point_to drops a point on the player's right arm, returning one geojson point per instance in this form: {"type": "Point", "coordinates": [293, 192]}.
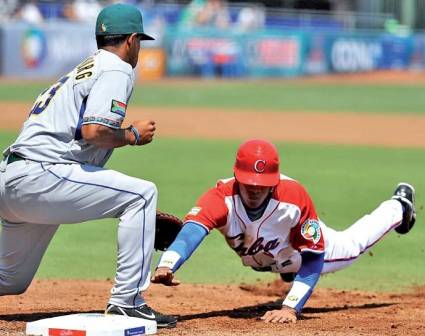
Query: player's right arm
{"type": "Point", "coordinates": [209, 213]}
{"type": "Point", "coordinates": [186, 242]}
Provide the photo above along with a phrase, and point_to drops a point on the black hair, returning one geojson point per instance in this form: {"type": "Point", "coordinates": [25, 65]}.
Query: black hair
{"type": "Point", "coordinates": [110, 40]}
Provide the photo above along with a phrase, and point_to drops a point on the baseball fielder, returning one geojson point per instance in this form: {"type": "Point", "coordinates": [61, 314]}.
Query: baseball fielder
{"type": "Point", "coordinates": [269, 220]}
{"type": "Point", "coordinates": [53, 173]}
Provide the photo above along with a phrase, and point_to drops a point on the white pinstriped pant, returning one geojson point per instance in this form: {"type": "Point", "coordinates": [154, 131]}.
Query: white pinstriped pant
{"type": "Point", "coordinates": [36, 198]}
{"type": "Point", "coordinates": [342, 248]}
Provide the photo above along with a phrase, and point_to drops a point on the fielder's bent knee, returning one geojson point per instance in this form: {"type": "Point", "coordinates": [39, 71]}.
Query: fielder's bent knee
{"type": "Point", "coordinates": [147, 190]}
{"type": "Point", "coordinates": [151, 189]}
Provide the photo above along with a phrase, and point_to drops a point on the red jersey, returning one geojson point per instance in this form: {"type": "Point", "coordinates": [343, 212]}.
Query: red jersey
{"type": "Point", "coordinates": [288, 226]}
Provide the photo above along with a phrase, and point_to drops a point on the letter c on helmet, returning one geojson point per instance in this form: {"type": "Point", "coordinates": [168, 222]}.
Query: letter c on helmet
{"type": "Point", "coordinates": [260, 166]}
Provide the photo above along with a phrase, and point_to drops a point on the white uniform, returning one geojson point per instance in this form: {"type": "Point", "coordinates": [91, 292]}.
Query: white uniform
{"type": "Point", "coordinates": [288, 226]}
{"type": "Point", "coordinates": [62, 180]}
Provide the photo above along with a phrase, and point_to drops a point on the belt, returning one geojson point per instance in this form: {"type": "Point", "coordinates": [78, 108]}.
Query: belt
{"type": "Point", "coordinates": [13, 157]}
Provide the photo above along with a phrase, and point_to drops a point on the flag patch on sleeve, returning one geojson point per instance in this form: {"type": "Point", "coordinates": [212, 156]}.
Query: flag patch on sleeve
{"type": "Point", "coordinates": [310, 230]}
{"type": "Point", "coordinates": [118, 108]}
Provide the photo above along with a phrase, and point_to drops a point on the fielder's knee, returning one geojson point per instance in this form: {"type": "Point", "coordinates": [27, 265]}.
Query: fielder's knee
{"type": "Point", "coordinates": [151, 190]}
{"type": "Point", "coordinates": [146, 196]}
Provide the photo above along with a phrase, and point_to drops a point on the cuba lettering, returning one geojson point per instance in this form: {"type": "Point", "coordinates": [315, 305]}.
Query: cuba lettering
{"type": "Point", "coordinates": [44, 99]}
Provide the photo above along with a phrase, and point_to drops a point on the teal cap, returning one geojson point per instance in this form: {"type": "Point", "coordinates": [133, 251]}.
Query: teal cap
{"type": "Point", "coordinates": [119, 19]}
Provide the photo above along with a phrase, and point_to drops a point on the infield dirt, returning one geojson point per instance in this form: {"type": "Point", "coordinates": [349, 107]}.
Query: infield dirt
{"type": "Point", "coordinates": [298, 127]}
{"type": "Point", "coordinates": [225, 310]}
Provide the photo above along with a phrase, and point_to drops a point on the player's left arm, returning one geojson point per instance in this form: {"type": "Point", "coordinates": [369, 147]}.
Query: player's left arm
{"type": "Point", "coordinates": [301, 290]}
{"type": "Point", "coordinates": [141, 132]}
{"type": "Point", "coordinates": [103, 112]}
{"type": "Point", "coordinates": [306, 237]}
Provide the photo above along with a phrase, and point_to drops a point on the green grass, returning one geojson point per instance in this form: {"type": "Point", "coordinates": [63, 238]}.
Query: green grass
{"type": "Point", "coordinates": [257, 95]}
{"type": "Point", "coordinates": [346, 182]}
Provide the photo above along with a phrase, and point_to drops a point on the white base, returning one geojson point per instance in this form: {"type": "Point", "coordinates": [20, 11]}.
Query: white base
{"type": "Point", "coordinates": [91, 325]}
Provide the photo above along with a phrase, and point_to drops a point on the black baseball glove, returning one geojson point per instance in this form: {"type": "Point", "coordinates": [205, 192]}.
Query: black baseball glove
{"type": "Point", "coordinates": [167, 229]}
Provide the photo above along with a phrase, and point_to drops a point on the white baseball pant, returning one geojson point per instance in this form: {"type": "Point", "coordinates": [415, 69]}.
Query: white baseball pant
{"type": "Point", "coordinates": [342, 248]}
{"type": "Point", "coordinates": [35, 198]}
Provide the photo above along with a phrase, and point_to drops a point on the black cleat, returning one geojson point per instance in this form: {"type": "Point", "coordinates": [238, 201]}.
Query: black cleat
{"type": "Point", "coordinates": [145, 312]}
{"type": "Point", "coordinates": [405, 194]}
{"type": "Point", "coordinates": [288, 277]}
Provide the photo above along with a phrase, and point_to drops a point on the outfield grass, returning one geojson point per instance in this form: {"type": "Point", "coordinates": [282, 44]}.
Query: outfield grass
{"type": "Point", "coordinates": [345, 182]}
{"type": "Point", "coordinates": [256, 95]}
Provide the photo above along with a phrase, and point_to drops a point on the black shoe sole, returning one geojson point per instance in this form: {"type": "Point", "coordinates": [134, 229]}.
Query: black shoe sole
{"type": "Point", "coordinates": [167, 325]}
{"type": "Point", "coordinates": [405, 228]}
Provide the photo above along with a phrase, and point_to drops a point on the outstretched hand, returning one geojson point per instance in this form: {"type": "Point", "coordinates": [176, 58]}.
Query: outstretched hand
{"type": "Point", "coordinates": [284, 315]}
{"type": "Point", "coordinates": [165, 276]}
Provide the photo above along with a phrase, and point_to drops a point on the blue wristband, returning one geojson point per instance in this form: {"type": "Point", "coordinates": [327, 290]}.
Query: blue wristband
{"type": "Point", "coordinates": [136, 134]}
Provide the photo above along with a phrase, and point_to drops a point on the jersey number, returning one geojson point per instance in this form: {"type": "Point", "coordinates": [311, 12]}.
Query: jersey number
{"type": "Point", "coordinates": [44, 99]}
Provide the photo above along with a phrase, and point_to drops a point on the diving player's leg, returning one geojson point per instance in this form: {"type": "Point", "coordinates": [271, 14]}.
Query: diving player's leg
{"type": "Point", "coordinates": [344, 247]}
{"type": "Point", "coordinates": [22, 245]}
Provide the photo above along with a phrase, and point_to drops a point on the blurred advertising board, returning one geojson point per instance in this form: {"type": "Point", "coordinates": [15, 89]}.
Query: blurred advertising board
{"type": "Point", "coordinates": [397, 51]}
{"type": "Point", "coordinates": [315, 59]}
{"type": "Point", "coordinates": [270, 54]}
{"type": "Point", "coordinates": [54, 48]}
{"type": "Point", "coordinates": [44, 51]}
{"type": "Point", "coordinates": [417, 61]}
{"type": "Point", "coordinates": [212, 53]}
{"type": "Point", "coordinates": [361, 52]}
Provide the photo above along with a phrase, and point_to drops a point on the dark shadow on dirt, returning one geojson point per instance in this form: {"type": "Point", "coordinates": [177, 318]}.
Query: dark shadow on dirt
{"type": "Point", "coordinates": [257, 311]}
{"type": "Point", "coordinates": [248, 312]}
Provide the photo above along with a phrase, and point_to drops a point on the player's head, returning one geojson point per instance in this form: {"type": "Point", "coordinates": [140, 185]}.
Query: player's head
{"type": "Point", "coordinates": [256, 170]}
{"type": "Point", "coordinates": [121, 26]}
{"type": "Point", "coordinates": [257, 163]}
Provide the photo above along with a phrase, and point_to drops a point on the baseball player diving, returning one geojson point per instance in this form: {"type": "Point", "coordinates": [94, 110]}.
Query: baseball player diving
{"type": "Point", "coordinates": [53, 173]}
{"type": "Point", "coordinates": [269, 220]}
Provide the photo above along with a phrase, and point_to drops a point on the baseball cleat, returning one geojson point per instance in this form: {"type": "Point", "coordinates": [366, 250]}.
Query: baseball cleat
{"type": "Point", "coordinates": [145, 312]}
{"type": "Point", "coordinates": [405, 194]}
{"type": "Point", "coordinates": [288, 277]}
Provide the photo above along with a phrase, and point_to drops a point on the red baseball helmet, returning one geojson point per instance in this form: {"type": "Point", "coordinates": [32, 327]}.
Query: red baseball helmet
{"type": "Point", "coordinates": [257, 163]}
